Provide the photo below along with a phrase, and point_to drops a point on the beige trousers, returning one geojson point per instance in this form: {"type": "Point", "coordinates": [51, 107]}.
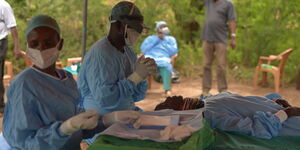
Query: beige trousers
{"type": "Point", "coordinates": [209, 50]}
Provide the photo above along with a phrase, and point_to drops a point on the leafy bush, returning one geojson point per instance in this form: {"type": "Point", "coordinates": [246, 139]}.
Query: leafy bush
{"type": "Point", "coordinates": [265, 27]}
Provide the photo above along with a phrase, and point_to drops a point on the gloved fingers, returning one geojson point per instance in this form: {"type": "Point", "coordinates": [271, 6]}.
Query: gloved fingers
{"type": "Point", "coordinates": [129, 112]}
{"type": "Point", "coordinates": [85, 120]}
{"type": "Point", "coordinates": [137, 124]}
{"type": "Point", "coordinates": [150, 63]}
{"type": "Point", "coordinates": [128, 121]}
{"type": "Point", "coordinates": [152, 66]}
{"type": "Point", "coordinates": [130, 115]}
{"type": "Point", "coordinates": [166, 134]}
{"type": "Point", "coordinates": [126, 117]}
{"type": "Point", "coordinates": [152, 69]}
{"type": "Point", "coordinates": [180, 135]}
{"type": "Point", "coordinates": [177, 132]}
{"type": "Point", "coordinates": [88, 114]}
{"type": "Point", "coordinates": [152, 72]}
{"type": "Point", "coordinates": [192, 129]}
{"type": "Point", "coordinates": [90, 123]}
{"type": "Point", "coordinates": [137, 77]}
{"type": "Point", "coordinates": [141, 59]}
{"type": "Point", "coordinates": [148, 60]}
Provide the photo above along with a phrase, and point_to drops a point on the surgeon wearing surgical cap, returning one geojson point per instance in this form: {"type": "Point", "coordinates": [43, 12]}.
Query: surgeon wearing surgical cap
{"type": "Point", "coordinates": [111, 77]}
{"type": "Point", "coordinates": [42, 112]}
{"type": "Point", "coordinates": [162, 47]}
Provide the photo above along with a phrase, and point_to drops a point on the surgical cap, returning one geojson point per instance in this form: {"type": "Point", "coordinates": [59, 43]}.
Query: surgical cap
{"type": "Point", "coordinates": [160, 23]}
{"type": "Point", "coordinates": [129, 14]}
{"type": "Point", "coordinates": [42, 21]}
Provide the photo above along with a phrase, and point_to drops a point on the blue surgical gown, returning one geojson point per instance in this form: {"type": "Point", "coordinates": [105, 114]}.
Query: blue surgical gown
{"type": "Point", "coordinates": [103, 79]}
{"type": "Point", "coordinates": [160, 50]}
{"type": "Point", "coordinates": [37, 105]}
{"type": "Point", "coordinates": [252, 115]}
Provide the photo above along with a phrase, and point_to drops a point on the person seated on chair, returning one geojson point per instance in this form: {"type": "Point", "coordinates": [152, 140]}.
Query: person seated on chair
{"type": "Point", "coordinates": [42, 112]}
{"type": "Point", "coordinates": [162, 47]}
{"type": "Point", "coordinates": [256, 116]}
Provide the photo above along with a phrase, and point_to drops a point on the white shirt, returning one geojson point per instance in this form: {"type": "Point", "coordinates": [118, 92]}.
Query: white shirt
{"type": "Point", "coordinates": [7, 19]}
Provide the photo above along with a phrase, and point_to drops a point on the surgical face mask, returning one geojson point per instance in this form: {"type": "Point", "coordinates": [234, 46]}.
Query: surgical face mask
{"type": "Point", "coordinates": [165, 30]}
{"type": "Point", "coordinates": [132, 36]}
{"type": "Point", "coordinates": [43, 59]}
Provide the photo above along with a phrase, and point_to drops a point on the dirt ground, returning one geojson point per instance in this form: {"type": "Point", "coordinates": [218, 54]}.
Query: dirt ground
{"type": "Point", "coordinates": [192, 88]}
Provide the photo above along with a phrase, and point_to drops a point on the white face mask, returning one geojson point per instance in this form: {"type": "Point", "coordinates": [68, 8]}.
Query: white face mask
{"type": "Point", "coordinates": [132, 36]}
{"type": "Point", "coordinates": [43, 59]}
{"type": "Point", "coordinates": [165, 30]}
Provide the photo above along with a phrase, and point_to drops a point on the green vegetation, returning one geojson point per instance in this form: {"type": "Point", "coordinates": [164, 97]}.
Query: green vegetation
{"type": "Point", "coordinates": [265, 27]}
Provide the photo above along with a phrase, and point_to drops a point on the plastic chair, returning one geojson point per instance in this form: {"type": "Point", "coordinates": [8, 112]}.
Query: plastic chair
{"type": "Point", "coordinates": [9, 74]}
{"type": "Point", "coordinates": [70, 61]}
{"type": "Point", "coordinates": [59, 65]}
{"type": "Point", "coordinates": [277, 71]}
{"type": "Point", "coordinates": [26, 59]}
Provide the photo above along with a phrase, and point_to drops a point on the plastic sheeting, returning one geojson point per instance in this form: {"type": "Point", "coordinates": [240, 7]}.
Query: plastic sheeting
{"type": "Point", "coordinates": [204, 139]}
{"type": "Point", "coordinates": [198, 141]}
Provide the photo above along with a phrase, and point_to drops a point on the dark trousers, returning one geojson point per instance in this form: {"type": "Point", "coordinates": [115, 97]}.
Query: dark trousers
{"type": "Point", "coordinates": [209, 49]}
{"type": "Point", "coordinates": [3, 50]}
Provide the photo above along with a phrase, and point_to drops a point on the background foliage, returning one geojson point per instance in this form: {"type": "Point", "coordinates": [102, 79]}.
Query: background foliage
{"type": "Point", "coordinates": [265, 27]}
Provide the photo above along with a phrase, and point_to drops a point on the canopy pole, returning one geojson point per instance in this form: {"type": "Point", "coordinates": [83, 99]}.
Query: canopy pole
{"type": "Point", "coordinates": [84, 27]}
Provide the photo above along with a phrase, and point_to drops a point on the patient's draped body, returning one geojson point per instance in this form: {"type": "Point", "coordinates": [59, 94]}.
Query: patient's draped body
{"type": "Point", "coordinates": [251, 115]}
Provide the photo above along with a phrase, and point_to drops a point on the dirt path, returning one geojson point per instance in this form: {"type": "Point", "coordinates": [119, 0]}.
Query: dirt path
{"type": "Point", "coordinates": [192, 88]}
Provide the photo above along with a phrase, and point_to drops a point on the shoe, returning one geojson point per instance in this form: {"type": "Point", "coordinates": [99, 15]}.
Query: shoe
{"type": "Point", "coordinates": [168, 93]}
{"type": "Point", "coordinates": [204, 95]}
{"type": "Point", "coordinates": [175, 81]}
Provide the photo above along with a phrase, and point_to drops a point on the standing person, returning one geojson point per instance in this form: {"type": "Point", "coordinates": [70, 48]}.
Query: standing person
{"type": "Point", "coordinates": [42, 112]}
{"type": "Point", "coordinates": [111, 77]}
{"type": "Point", "coordinates": [220, 15]}
{"type": "Point", "coordinates": [163, 49]}
{"type": "Point", "coordinates": [7, 24]}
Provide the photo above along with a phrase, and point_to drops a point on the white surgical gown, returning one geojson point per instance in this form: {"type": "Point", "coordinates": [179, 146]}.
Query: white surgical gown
{"type": "Point", "coordinates": [251, 115]}
{"type": "Point", "coordinates": [37, 105]}
{"type": "Point", "coordinates": [103, 82]}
